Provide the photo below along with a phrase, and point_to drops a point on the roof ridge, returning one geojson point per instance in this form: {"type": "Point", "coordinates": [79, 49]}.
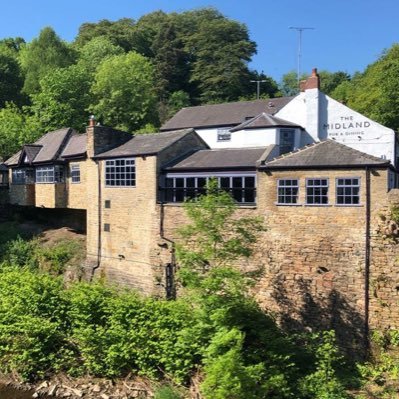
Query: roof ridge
{"type": "Point", "coordinates": [294, 152]}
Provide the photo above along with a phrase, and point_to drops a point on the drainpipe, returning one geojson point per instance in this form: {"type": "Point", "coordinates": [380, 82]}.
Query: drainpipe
{"type": "Point", "coordinates": [170, 294]}
{"type": "Point", "coordinates": [99, 241]}
{"type": "Point", "coordinates": [367, 266]}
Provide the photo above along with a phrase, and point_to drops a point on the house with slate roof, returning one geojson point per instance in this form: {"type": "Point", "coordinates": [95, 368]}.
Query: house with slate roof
{"type": "Point", "coordinates": [325, 197]}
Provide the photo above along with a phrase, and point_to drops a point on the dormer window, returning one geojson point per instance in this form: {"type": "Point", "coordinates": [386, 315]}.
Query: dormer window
{"type": "Point", "coordinates": [287, 140]}
{"type": "Point", "coordinates": [223, 135]}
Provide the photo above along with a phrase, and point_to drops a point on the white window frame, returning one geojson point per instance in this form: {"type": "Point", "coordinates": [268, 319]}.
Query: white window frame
{"type": "Point", "coordinates": [117, 175]}
{"type": "Point", "coordinates": [75, 173]}
{"type": "Point", "coordinates": [351, 188]}
{"type": "Point", "coordinates": [49, 174]}
{"type": "Point", "coordinates": [315, 196]}
{"type": "Point", "coordinates": [223, 134]}
{"type": "Point", "coordinates": [22, 176]}
{"type": "Point", "coordinates": [284, 195]}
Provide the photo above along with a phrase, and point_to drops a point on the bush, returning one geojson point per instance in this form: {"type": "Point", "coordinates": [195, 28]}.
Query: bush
{"type": "Point", "coordinates": [22, 253]}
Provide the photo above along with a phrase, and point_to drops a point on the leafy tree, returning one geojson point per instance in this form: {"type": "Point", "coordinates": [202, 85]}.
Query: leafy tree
{"type": "Point", "coordinates": [330, 80]}
{"type": "Point", "coordinates": [120, 33]}
{"type": "Point", "coordinates": [170, 61]}
{"type": "Point", "coordinates": [13, 43]}
{"type": "Point", "coordinates": [17, 127]}
{"type": "Point", "coordinates": [220, 50]}
{"type": "Point", "coordinates": [289, 83]}
{"type": "Point", "coordinates": [63, 99]}
{"type": "Point", "coordinates": [124, 92]}
{"type": "Point", "coordinates": [375, 92]}
{"type": "Point", "coordinates": [176, 101]}
{"type": "Point", "coordinates": [94, 52]}
{"type": "Point", "coordinates": [41, 56]}
{"type": "Point", "coordinates": [11, 79]}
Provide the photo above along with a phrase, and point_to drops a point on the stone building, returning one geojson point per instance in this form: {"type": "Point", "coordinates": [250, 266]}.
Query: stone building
{"type": "Point", "coordinates": [329, 255]}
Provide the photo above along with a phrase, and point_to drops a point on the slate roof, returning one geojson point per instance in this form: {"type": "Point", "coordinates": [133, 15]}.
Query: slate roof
{"type": "Point", "coordinates": [50, 144]}
{"type": "Point", "coordinates": [263, 120]}
{"type": "Point", "coordinates": [227, 114]}
{"type": "Point", "coordinates": [325, 154]}
{"type": "Point", "coordinates": [76, 146]}
{"type": "Point", "coordinates": [223, 158]}
{"type": "Point", "coordinates": [145, 144]}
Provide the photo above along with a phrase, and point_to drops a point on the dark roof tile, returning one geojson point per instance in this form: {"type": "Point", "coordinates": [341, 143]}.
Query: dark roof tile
{"type": "Point", "coordinates": [226, 158]}
{"type": "Point", "coordinates": [227, 114]}
{"type": "Point", "coordinates": [145, 144]}
{"type": "Point", "coordinates": [263, 120]}
{"type": "Point", "coordinates": [76, 146]}
{"type": "Point", "coordinates": [327, 153]}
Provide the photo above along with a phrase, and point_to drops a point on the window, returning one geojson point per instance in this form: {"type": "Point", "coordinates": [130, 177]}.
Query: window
{"type": "Point", "coordinates": [223, 135]}
{"type": "Point", "coordinates": [23, 176]}
{"type": "Point", "coordinates": [75, 173]}
{"type": "Point", "coordinates": [348, 191]}
{"type": "Point", "coordinates": [107, 204]}
{"type": "Point", "coordinates": [287, 191]}
{"type": "Point", "coordinates": [241, 188]}
{"type": "Point", "coordinates": [287, 140]}
{"type": "Point", "coordinates": [317, 191]}
{"type": "Point", "coordinates": [120, 173]}
{"type": "Point", "coordinates": [107, 227]}
{"type": "Point", "coordinates": [50, 174]}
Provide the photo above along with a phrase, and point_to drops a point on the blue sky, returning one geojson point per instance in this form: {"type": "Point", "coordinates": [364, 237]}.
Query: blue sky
{"type": "Point", "coordinates": [348, 35]}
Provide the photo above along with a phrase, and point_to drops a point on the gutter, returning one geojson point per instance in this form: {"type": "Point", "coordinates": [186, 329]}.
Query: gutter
{"type": "Point", "coordinates": [99, 232]}
{"type": "Point", "coordinates": [367, 266]}
{"type": "Point", "coordinates": [170, 286]}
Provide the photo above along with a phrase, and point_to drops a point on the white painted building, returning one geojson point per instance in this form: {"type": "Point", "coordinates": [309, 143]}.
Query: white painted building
{"type": "Point", "coordinates": [290, 122]}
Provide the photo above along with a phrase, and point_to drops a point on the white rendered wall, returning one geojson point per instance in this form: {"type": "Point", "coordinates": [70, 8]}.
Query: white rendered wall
{"type": "Point", "coordinates": [246, 138]}
{"type": "Point", "coordinates": [338, 122]}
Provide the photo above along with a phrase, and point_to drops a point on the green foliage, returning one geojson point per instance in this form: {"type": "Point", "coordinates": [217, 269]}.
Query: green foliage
{"type": "Point", "coordinates": [167, 392]}
{"type": "Point", "coordinates": [41, 56]}
{"type": "Point", "coordinates": [63, 99]}
{"type": "Point", "coordinates": [375, 92]}
{"type": "Point", "coordinates": [124, 92]}
{"type": "Point", "coordinates": [17, 127]}
{"type": "Point", "coordinates": [22, 253]}
{"type": "Point", "coordinates": [11, 81]}
{"type": "Point", "coordinates": [214, 236]}
{"type": "Point", "coordinates": [31, 322]}
{"type": "Point", "coordinates": [323, 382]}
{"type": "Point", "coordinates": [289, 85]}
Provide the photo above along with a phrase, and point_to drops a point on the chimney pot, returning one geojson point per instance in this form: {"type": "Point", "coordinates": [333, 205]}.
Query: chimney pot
{"type": "Point", "coordinates": [92, 121]}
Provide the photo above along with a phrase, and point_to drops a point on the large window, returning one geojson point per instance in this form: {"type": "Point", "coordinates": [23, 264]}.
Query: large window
{"type": "Point", "coordinates": [348, 191]}
{"type": "Point", "coordinates": [75, 173]}
{"type": "Point", "coordinates": [120, 173]}
{"type": "Point", "coordinates": [287, 191]}
{"type": "Point", "coordinates": [50, 174]}
{"type": "Point", "coordinates": [241, 188]}
{"type": "Point", "coordinates": [23, 176]}
{"type": "Point", "coordinates": [317, 191]}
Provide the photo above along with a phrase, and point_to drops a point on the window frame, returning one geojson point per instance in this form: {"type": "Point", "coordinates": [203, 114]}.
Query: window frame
{"type": "Point", "coordinates": [196, 189]}
{"type": "Point", "coordinates": [344, 186]}
{"type": "Point", "coordinates": [288, 187]}
{"type": "Point", "coordinates": [75, 173]}
{"type": "Point", "coordinates": [49, 174]}
{"type": "Point", "coordinates": [28, 176]}
{"type": "Point", "coordinates": [115, 172]}
{"type": "Point", "coordinates": [307, 180]}
{"type": "Point", "coordinates": [286, 130]}
{"type": "Point", "coordinates": [221, 133]}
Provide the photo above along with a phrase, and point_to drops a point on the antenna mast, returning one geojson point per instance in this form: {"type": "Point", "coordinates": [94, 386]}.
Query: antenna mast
{"type": "Point", "coordinates": [299, 29]}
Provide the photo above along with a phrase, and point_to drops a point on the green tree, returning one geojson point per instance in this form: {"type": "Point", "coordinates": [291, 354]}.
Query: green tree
{"type": "Point", "coordinates": [330, 80]}
{"type": "Point", "coordinates": [94, 52]}
{"type": "Point", "coordinates": [375, 92]}
{"type": "Point", "coordinates": [289, 83]}
{"type": "Point", "coordinates": [120, 33]}
{"type": "Point", "coordinates": [123, 91]}
{"type": "Point", "coordinates": [11, 79]}
{"type": "Point", "coordinates": [63, 99]}
{"type": "Point", "coordinates": [17, 127]}
{"type": "Point", "coordinates": [219, 51]}
{"type": "Point", "coordinates": [41, 56]}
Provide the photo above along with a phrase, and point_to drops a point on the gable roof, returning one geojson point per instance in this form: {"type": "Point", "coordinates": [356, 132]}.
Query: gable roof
{"type": "Point", "coordinates": [222, 158]}
{"type": "Point", "coordinates": [51, 145]}
{"type": "Point", "coordinates": [263, 120]}
{"type": "Point", "coordinates": [226, 114]}
{"type": "Point", "coordinates": [145, 144]}
{"type": "Point", "coordinates": [324, 154]}
{"type": "Point", "coordinates": [76, 146]}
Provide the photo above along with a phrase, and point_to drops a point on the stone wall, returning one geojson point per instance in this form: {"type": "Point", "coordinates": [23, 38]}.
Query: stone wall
{"type": "Point", "coordinates": [77, 192]}
{"type": "Point", "coordinates": [22, 194]}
